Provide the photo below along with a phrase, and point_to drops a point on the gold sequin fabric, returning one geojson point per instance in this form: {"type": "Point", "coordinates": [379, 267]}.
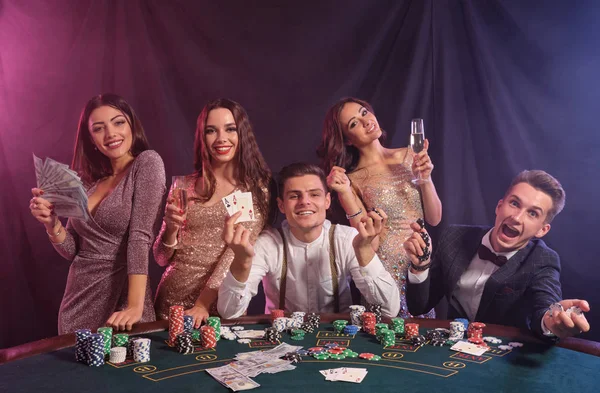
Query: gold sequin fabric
{"type": "Point", "coordinates": [392, 190]}
{"type": "Point", "coordinates": [204, 260]}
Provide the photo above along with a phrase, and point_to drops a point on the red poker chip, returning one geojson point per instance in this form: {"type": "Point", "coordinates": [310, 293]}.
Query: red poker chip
{"type": "Point", "coordinates": [366, 355]}
{"type": "Point", "coordinates": [336, 351]}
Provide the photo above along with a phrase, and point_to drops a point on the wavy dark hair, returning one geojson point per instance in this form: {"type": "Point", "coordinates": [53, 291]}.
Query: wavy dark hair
{"type": "Point", "coordinates": [89, 162]}
{"type": "Point", "coordinates": [334, 149]}
{"type": "Point", "coordinates": [251, 168]}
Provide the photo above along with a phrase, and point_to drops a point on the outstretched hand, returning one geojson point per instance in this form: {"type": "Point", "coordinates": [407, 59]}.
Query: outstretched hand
{"type": "Point", "coordinates": [564, 324]}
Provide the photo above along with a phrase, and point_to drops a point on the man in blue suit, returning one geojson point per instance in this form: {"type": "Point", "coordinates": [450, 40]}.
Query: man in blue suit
{"type": "Point", "coordinates": [504, 275]}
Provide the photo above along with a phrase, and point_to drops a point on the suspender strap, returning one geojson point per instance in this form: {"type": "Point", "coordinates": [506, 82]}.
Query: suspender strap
{"type": "Point", "coordinates": [283, 272]}
{"type": "Point", "coordinates": [333, 267]}
{"type": "Point", "coordinates": [334, 272]}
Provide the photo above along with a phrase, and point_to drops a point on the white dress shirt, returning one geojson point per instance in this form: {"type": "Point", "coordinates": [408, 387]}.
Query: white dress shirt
{"type": "Point", "coordinates": [470, 287]}
{"type": "Point", "coordinates": [309, 281]}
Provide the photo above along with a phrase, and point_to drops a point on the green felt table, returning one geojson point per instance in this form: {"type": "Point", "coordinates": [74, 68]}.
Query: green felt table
{"type": "Point", "coordinates": [536, 367]}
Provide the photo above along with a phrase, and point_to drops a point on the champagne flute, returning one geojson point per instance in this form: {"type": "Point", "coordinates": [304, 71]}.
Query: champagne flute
{"type": "Point", "coordinates": [181, 199]}
{"type": "Point", "coordinates": [417, 141]}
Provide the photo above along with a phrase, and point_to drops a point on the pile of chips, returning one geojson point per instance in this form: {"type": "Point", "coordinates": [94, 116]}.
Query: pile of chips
{"type": "Point", "coordinates": [175, 323]}
{"type": "Point", "coordinates": [272, 334]}
{"type": "Point", "coordinates": [184, 343]}
{"type": "Point", "coordinates": [376, 309]}
{"type": "Point", "coordinates": [188, 323]}
{"type": "Point", "coordinates": [370, 356]}
{"type": "Point", "coordinates": [356, 312]}
{"type": "Point", "coordinates": [282, 323]}
{"type": "Point", "coordinates": [107, 333]}
{"type": "Point", "coordinates": [293, 357]}
{"type": "Point", "coordinates": [312, 322]}
{"type": "Point", "coordinates": [277, 313]}
{"type": "Point", "coordinates": [351, 329]}
{"type": "Point", "coordinates": [457, 331]}
{"type": "Point", "coordinates": [398, 326]}
{"type": "Point", "coordinates": [297, 319]}
{"type": "Point", "coordinates": [95, 350]}
{"type": "Point", "coordinates": [81, 337]}
{"type": "Point", "coordinates": [419, 340]}
{"type": "Point", "coordinates": [118, 355]}
{"type": "Point", "coordinates": [120, 340]}
{"type": "Point", "coordinates": [475, 333]}
{"type": "Point", "coordinates": [411, 330]}
{"type": "Point", "coordinates": [208, 336]}
{"type": "Point", "coordinates": [141, 350]}
{"type": "Point", "coordinates": [298, 334]}
{"type": "Point", "coordinates": [437, 337]}
{"type": "Point", "coordinates": [215, 322]}
{"type": "Point", "coordinates": [92, 349]}
{"type": "Point", "coordinates": [228, 334]}
{"type": "Point", "coordinates": [368, 322]}
{"type": "Point", "coordinates": [339, 324]}
{"type": "Point", "coordinates": [387, 337]}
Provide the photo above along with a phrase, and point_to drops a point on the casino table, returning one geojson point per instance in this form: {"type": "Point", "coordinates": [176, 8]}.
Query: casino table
{"type": "Point", "coordinates": [572, 365]}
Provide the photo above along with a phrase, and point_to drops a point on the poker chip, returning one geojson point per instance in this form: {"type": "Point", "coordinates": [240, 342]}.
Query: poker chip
{"type": "Point", "coordinates": [208, 336]}
{"type": "Point", "coordinates": [118, 355]}
{"type": "Point", "coordinates": [420, 222]}
{"type": "Point", "coordinates": [229, 336]}
{"type": "Point", "coordinates": [277, 313]}
{"type": "Point", "coordinates": [351, 354]}
{"type": "Point", "coordinates": [335, 351]}
{"type": "Point", "coordinates": [188, 323]}
{"type": "Point", "coordinates": [331, 345]}
{"type": "Point", "coordinates": [302, 352]}
{"type": "Point", "coordinates": [492, 340]}
{"type": "Point", "coordinates": [215, 322]}
{"type": "Point", "coordinates": [184, 343]}
{"type": "Point", "coordinates": [366, 355]}
{"type": "Point", "coordinates": [293, 357]}
{"type": "Point", "coordinates": [375, 358]}
{"type": "Point", "coordinates": [176, 325]}
{"type": "Point", "coordinates": [237, 328]}
{"type": "Point", "coordinates": [244, 341]}
{"type": "Point", "coordinates": [356, 312]}
{"type": "Point", "coordinates": [515, 344]}
{"type": "Point", "coordinates": [321, 356]}
{"type": "Point", "coordinates": [107, 333]}
{"type": "Point", "coordinates": [120, 340]}
{"type": "Point", "coordinates": [337, 356]}
{"type": "Point", "coordinates": [574, 310]}
{"type": "Point", "coordinates": [94, 351]}
{"type": "Point", "coordinates": [505, 347]}
{"type": "Point", "coordinates": [81, 337]}
{"type": "Point", "coordinates": [141, 350]}
{"type": "Point", "coordinates": [438, 342]}
{"type": "Point", "coordinates": [376, 310]}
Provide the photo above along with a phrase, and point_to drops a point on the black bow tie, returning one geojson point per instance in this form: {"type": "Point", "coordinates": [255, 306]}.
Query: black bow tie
{"type": "Point", "coordinates": [487, 255]}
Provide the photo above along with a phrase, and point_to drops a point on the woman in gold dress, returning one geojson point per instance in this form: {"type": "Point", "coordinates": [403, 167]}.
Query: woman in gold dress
{"type": "Point", "coordinates": [366, 175]}
{"type": "Point", "coordinates": [227, 159]}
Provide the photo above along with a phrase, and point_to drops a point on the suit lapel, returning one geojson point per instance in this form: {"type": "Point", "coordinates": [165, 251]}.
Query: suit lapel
{"type": "Point", "coordinates": [499, 278]}
{"type": "Point", "coordinates": [465, 252]}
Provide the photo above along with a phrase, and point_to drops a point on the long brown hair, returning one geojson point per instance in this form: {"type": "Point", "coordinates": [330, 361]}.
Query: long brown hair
{"type": "Point", "coordinates": [89, 162]}
{"type": "Point", "coordinates": [334, 149]}
{"type": "Point", "coordinates": [251, 169]}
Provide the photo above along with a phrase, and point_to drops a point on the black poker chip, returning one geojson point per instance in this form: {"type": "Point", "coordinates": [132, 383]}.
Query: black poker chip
{"type": "Point", "coordinates": [421, 222]}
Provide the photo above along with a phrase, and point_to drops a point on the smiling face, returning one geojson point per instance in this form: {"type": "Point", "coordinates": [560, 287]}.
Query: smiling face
{"type": "Point", "coordinates": [359, 125]}
{"type": "Point", "coordinates": [110, 131]}
{"type": "Point", "coordinates": [305, 203]}
{"type": "Point", "coordinates": [221, 136]}
{"type": "Point", "coordinates": [520, 216]}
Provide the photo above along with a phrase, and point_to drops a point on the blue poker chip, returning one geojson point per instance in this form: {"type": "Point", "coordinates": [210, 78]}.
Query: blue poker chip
{"type": "Point", "coordinates": [332, 345]}
{"type": "Point", "coordinates": [302, 352]}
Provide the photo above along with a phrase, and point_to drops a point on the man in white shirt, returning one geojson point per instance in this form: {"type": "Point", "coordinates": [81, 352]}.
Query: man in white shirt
{"type": "Point", "coordinates": [310, 268]}
{"type": "Point", "coordinates": [504, 275]}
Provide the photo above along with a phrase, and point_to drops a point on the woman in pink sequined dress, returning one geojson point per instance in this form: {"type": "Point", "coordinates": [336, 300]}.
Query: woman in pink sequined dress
{"type": "Point", "coordinates": [108, 276]}
{"type": "Point", "coordinates": [366, 175]}
{"type": "Point", "coordinates": [227, 159]}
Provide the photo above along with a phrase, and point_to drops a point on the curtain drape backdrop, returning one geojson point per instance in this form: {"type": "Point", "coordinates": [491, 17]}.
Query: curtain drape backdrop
{"type": "Point", "coordinates": [502, 86]}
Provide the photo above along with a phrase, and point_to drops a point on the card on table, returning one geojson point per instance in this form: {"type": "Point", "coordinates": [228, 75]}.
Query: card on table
{"type": "Point", "coordinates": [470, 348]}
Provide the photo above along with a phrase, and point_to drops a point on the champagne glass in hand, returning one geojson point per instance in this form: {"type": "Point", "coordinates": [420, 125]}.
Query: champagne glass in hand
{"type": "Point", "coordinates": [180, 196]}
{"type": "Point", "coordinates": [417, 141]}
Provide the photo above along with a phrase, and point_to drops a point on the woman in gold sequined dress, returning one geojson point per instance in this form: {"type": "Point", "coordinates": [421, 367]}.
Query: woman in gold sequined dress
{"type": "Point", "coordinates": [227, 159]}
{"type": "Point", "coordinates": [366, 175]}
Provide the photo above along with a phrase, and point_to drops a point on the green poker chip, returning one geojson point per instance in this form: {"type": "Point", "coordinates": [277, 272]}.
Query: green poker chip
{"type": "Point", "coordinates": [337, 356]}
{"type": "Point", "coordinates": [321, 356]}
{"type": "Point", "coordinates": [375, 358]}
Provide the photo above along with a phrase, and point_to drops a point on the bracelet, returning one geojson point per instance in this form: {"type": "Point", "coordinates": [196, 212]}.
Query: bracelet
{"type": "Point", "coordinates": [169, 245]}
{"type": "Point", "coordinates": [421, 268]}
{"type": "Point", "coordinates": [358, 213]}
{"type": "Point", "coordinates": [55, 234]}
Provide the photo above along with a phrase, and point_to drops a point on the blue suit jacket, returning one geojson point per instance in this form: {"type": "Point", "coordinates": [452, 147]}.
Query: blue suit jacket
{"type": "Point", "coordinates": [517, 294]}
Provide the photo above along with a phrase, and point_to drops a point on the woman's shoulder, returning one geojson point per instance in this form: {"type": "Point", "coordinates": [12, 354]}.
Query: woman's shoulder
{"type": "Point", "coordinates": [149, 157]}
{"type": "Point", "coordinates": [398, 155]}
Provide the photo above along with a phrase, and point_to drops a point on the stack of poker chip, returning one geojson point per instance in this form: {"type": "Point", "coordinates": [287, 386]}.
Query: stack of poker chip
{"type": "Point", "coordinates": [376, 309]}
{"type": "Point", "coordinates": [209, 336]}
{"type": "Point", "coordinates": [388, 337]}
{"type": "Point", "coordinates": [188, 323]}
{"type": "Point", "coordinates": [184, 344]}
{"type": "Point", "coordinates": [319, 353]}
{"type": "Point", "coordinates": [228, 333]}
{"type": "Point", "coordinates": [464, 321]}
{"type": "Point", "coordinates": [95, 350]}
{"type": "Point", "coordinates": [339, 324]}
{"type": "Point", "coordinates": [276, 313]}
{"type": "Point", "coordinates": [175, 323]}
{"type": "Point", "coordinates": [398, 326]}
{"type": "Point", "coordinates": [298, 334]}
{"type": "Point", "coordinates": [370, 356]}
{"type": "Point", "coordinates": [475, 332]}
{"type": "Point", "coordinates": [457, 331]}
{"type": "Point", "coordinates": [120, 340]}
{"type": "Point", "coordinates": [351, 329]}
{"type": "Point", "coordinates": [106, 332]}
{"type": "Point", "coordinates": [356, 311]}
{"type": "Point", "coordinates": [378, 327]}
{"type": "Point", "coordinates": [81, 338]}
{"type": "Point", "coordinates": [293, 357]}
{"type": "Point", "coordinates": [272, 334]}
{"type": "Point", "coordinates": [411, 330]}
{"type": "Point", "coordinates": [280, 324]}
{"type": "Point", "coordinates": [368, 322]}
{"type": "Point", "coordinates": [118, 355]}
{"type": "Point", "coordinates": [298, 319]}
{"type": "Point", "coordinates": [418, 340]}
{"type": "Point", "coordinates": [215, 322]}
{"type": "Point", "coordinates": [437, 338]}
{"type": "Point", "coordinates": [195, 335]}
{"type": "Point", "coordinates": [141, 350]}
{"type": "Point", "coordinates": [312, 322]}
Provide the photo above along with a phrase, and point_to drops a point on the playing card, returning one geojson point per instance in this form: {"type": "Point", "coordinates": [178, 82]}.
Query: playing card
{"type": "Point", "coordinates": [470, 348]}
{"type": "Point", "coordinates": [355, 375]}
{"type": "Point", "coordinates": [228, 201]}
{"type": "Point", "coordinates": [244, 204]}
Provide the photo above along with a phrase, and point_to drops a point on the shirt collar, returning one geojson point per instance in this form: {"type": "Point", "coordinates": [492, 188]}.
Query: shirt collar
{"type": "Point", "coordinates": [486, 242]}
{"type": "Point", "coordinates": [295, 242]}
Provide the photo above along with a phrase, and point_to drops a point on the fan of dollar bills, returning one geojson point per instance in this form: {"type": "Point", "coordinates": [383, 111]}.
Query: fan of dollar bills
{"type": "Point", "coordinates": [62, 187]}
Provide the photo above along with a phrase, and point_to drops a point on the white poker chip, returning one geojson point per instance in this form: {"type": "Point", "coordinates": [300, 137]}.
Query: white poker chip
{"type": "Point", "coordinates": [492, 340]}
{"type": "Point", "coordinates": [229, 336]}
{"type": "Point", "coordinates": [244, 341]}
{"type": "Point", "coordinates": [505, 347]}
{"type": "Point", "coordinates": [515, 344]}
{"type": "Point", "coordinates": [236, 328]}
{"type": "Point", "coordinates": [225, 329]}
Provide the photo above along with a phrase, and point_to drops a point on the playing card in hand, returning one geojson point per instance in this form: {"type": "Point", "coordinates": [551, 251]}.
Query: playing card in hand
{"type": "Point", "coordinates": [62, 187]}
{"type": "Point", "coordinates": [240, 201]}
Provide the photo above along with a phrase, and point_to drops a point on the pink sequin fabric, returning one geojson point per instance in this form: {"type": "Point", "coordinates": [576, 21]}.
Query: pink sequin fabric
{"type": "Point", "coordinates": [393, 191]}
{"type": "Point", "coordinates": [109, 246]}
{"type": "Point", "coordinates": [203, 261]}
